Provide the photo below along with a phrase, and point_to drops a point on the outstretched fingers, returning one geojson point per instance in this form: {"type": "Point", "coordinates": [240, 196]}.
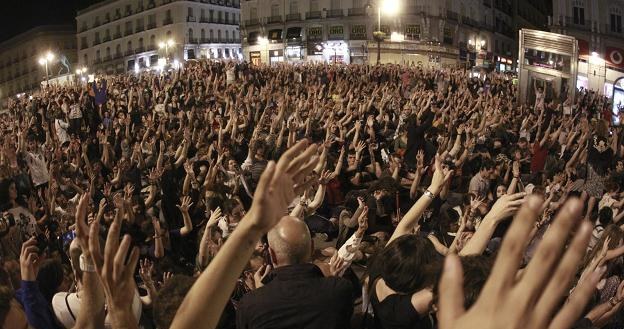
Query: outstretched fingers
{"type": "Point", "coordinates": [451, 292]}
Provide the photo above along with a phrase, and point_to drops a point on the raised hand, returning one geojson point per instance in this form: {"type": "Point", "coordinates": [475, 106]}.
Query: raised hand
{"type": "Point", "coordinates": [146, 267]}
{"type": "Point", "coordinates": [82, 230]}
{"type": "Point", "coordinates": [532, 300]}
{"type": "Point", "coordinates": [29, 260]}
{"type": "Point", "coordinates": [214, 217]}
{"type": "Point", "coordinates": [280, 183]}
{"type": "Point", "coordinates": [506, 206]}
{"type": "Point", "coordinates": [260, 274]}
{"type": "Point", "coordinates": [185, 204]}
{"type": "Point", "coordinates": [337, 265]}
{"type": "Point", "coordinates": [440, 177]}
{"type": "Point", "coordinates": [115, 273]}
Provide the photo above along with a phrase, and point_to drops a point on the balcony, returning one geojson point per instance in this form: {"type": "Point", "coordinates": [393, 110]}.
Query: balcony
{"type": "Point", "coordinates": [117, 35]}
{"type": "Point", "coordinates": [151, 26]}
{"type": "Point", "coordinates": [203, 20]}
{"type": "Point", "coordinates": [191, 19]}
{"type": "Point", "coordinates": [251, 22]}
{"type": "Point", "coordinates": [96, 42]}
{"type": "Point", "coordinates": [313, 15]}
{"type": "Point", "coordinates": [335, 13]}
{"type": "Point", "coordinates": [97, 61]}
{"type": "Point", "coordinates": [193, 40]}
{"type": "Point", "coordinates": [293, 17]}
{"type": "Point", "coordinates": [274, 19]}
{"type": "Point", "coordinates": [451, 15]}
{"type": "Point", "coordinates": [118, 55]}
{"type": "Point", "coordinates": [357, 11]}
{"type": "Point", "coordinates": [129, 53]}
{"type": "Point", "coordinates": [106, 58]}
{"type": "Point", "coordinates": [581, 25]}
{"type": "Point", "coordinates": [151, 5]}
{"type": "Point", "coordinates": [84, 46]}
{"type": "Point", "coordinates": [151, 47]}
{"type": "Point", "coordinates": [614, 32]}
{"type": "Point", "coordinates": [127, 32]}
{"type": "Point", "coordinates": [140, 50]}
{"type": "Point", "coordinates": [205, 40]}
{"type": "Point", "coordinates": [167, 21]}
{"type": "Point", "coordinates": [106, 38]}
{"type": "Point", "coordinates": [83, 28]}
{"type": "Point", "coordinates": [139, 29]}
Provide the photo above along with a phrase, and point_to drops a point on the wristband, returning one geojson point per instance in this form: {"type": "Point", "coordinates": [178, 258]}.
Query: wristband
{"type": "Point", "coordinates": [429, 194]}
{"type": "Point", "coordinates": [86, 265]}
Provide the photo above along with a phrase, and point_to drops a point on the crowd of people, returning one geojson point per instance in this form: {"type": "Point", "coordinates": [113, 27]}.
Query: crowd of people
{"type": "Point", "coordinates": [228, 195]}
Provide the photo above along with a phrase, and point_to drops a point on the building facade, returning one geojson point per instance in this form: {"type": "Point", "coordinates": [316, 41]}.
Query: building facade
{"type": "Point", "coordinates": [448, 32]}
{"type": "Point", "coordinates": [20, 70]}
{"type": "Point", "coordinates": [123, 35]}
{"type": "Point", "coordinates": [597, 25]}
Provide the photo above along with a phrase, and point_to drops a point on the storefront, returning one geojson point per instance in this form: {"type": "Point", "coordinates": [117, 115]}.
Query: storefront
{"type": "Point", "coordinates": [504, 64]}
{"type": "Point", "coordinates": [294, 44]}
{"type": "Point", "coordinates": [276, 56]}
{"type": "Point", "coordinates": [357, 44]}
{"type": "Point", "coordinates": [255, 57]}
{"type": "Point", "coordinates": [314, 40]}
{"type": "Point", "coordinates": [336, 52]}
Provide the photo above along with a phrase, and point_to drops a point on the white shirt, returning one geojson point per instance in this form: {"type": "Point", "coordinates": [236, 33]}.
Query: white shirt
{"type": "Point", "coordinates": [38, 168]}
{"type": "Point", "coordinates": [61, 130]}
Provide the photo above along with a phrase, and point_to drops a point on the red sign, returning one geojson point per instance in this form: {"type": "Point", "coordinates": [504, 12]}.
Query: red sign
{"type": "Point", "coordinates": [615, 57]}
{"type": "Point", "coordinates": [583, 47]}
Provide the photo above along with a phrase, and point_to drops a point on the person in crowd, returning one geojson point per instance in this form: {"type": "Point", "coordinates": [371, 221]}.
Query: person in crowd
{"type": "Point", "coordinates": [222, 194]}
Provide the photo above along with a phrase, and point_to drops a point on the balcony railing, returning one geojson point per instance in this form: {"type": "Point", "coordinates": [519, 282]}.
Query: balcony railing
{"type": "Point", "coordinates": [83, 46]}
{"type": "Point", "coordinates": [167, 21]}
{"type": "Point", "coordinates": [293, 17]}
{"type": "Point", "coordinates": [118, 56]}
{"type": "Point", "coordinates": [96, 42]}
{"type": "Point", "coordinates": [274, 19]}
{"type": "Point", "coordinates": [191, 19]}
{"type": "Point", "coordinates": [151, 47]}
{"type": "Point", "coordinates": [117, 35]}
{"type": "Point", "coordinates": [252, 22]}
{"type": "Point", "coordinates": [357, 11]}
{"type": "Point", "coordinates": [140, 50]}
{"type": "Point", "coordinates": [129, 52]}
{"type": "Point", "coordinates": [335, 13]}
{"type": "Point", "coordinates": [581, 25]}
{"type": "Point", "coordinates": [313, 14]}
{"type": "Point", "coordinates": [615, 32]}
{"type": "Point", "coordinates": [140, 29]}
{"type": "Point", "coordinates": [106, 38]}
{"type": "Point", "coordinates": [193, 40]}
{"type": "Point", "coordinates": [151, 26]}
{"type": "Point", "coordinates": [127, 32]}
{"type": "Point", "coordinates": [106, 58]}
{"type": "Point", "coordinates": [203, 20]}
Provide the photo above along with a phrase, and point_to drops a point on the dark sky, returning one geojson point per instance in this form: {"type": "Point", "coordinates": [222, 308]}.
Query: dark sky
{"type": "Point", "coordinates": [21, 15]}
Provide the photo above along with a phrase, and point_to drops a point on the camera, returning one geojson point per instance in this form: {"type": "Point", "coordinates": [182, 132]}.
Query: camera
{"type": "Point", "coordinates": [6, 222]}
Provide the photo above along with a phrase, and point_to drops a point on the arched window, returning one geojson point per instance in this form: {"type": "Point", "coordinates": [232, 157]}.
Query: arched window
{"type": "Point", "coordinates": [108, 52]}
{"type": "Point", "coordinates": [219, 35]}
{"type": "Point", "coordinates": [129, 47]}
{"type": "Point", "coordinates": [203, 35]}
{"type": "Point", "coordinates": [152, 41]}
{"type": "Point", "coordinates": [227, 35]}
{"type": "Point", "coordinates": [211, 34]}
{"type": "Point", "coordinates": [190, 34]}
{"type": "Point", "coordinates": [118, 50]}
{"type": "Point", "coordinates": [141, 43]}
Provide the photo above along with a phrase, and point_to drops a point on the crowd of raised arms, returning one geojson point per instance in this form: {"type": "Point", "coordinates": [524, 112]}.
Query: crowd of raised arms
{"type": "Point", "coordinates": [228, 195]}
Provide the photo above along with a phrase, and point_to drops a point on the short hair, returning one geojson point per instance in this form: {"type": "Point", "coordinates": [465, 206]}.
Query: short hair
{"type": "Point", "coordinates": [170, 298]}
{"type": "Point", "coordinates": [476, 270]}
{"type": "Point", "coordinates": [408, 264]}
{"type": "Point", "coordinates": [487, 164]}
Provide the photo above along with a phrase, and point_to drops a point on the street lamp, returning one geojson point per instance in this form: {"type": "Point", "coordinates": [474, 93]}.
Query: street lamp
{"type": "Point", "coordinates": [390, 8]}
{"type": "Point", "coordinates": [166, 45]}
{"type": "Point", "coordinates": [80, 72]}
{"type": "Point", "coordinates": [43, 61]}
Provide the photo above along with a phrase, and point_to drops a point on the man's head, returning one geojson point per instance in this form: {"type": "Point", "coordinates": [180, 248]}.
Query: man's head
{"type": "Point", "coordinates": [487, 168]}
{"type": "Point", "coordinates": [290, 242]}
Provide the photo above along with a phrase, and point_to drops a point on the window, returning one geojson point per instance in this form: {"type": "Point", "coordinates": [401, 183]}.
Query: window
{"type": "Point", "coordinates": [118, 50]}
{"type": "Point", "coordinates": [227, 35]}
{"type": "Point", "coordinates": [151, 21]}
{"type": "Point", "coordinates": [275, 10]}
{"type": "Point", "coordinates": [97, 55]}
{"type": "Point", "coordinates": [227, 17]}
{"type": "Point", "coordinates": [153, 41]}
{"type": "Point", "coordinates": [83, 43]}
{"type": "Point", "coordinates": [141, 43]}
{"type": "Point", "coordinates": [335, 4]}
{"type": "Point", "coordinates": [190, 12]}
{"type": "Point", "coordinates": [190, 34]}
{"type": "Point", "coordinates": [128, 10]}
{"type": "Point", "coordinates": [107, 17]}
{"type": "Point", "coordinates": [168, 14]}
{"type": "Point", "coordinates": [211, 34]}
{"type": "Point", "coordinates": [129, 47]}
{"type": "Point", "coordinates": [616, 20]}
{"type": "Point", "coordinates": [253, 13]}
{"type": "Point", "coordinates": [294, 7]}
{"type": "Point", "coordinates": [579, 12]}
{"type": "Point", "coordinates": [203, 35]}
{"type": "Point", "coordinates": [203, 14]}
{"type": "Point", "coordinates": [219, 35]}
{"type": "Point", "coordinates": [314, 5]}
{"type": "Point", "coordinates": [108, 52]}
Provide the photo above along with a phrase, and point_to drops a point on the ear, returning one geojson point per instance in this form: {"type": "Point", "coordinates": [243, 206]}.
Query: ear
{"type": "Point", "coordinates": [273, 257]}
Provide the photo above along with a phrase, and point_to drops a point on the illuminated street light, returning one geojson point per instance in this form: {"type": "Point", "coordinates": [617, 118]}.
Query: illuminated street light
{"type": "Point", "coordinates": [166, 44]}
{"type": "Point", "coordinates": [397, 37]}
{"type": "Point", "coordinates": [43, 61]}
{"type": "Point", "coordinates": [390, 8]}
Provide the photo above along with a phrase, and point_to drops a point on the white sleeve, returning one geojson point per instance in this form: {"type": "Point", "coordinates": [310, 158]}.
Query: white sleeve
{"type": "Point", "coordinates": [353, 243]}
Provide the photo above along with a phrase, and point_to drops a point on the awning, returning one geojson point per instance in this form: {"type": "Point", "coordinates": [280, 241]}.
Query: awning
{"type": "Point", "coordinates": [275, 34]}
{"type": "Point", "coordinates": [252, 38]}
{"type": "Point", "coordinates": [293, 33]}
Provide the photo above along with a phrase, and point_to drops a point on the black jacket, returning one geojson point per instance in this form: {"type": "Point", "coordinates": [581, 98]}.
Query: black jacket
{"type": "Point", "coordinates": [298, 296]}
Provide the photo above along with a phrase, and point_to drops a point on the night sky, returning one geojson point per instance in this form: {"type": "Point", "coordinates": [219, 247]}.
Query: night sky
{"type": "Point", "coordinates": [21, 15]}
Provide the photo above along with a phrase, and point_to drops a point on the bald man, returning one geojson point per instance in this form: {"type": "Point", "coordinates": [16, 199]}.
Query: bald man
{"type": "Point", "coordinates": [296, 294]}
